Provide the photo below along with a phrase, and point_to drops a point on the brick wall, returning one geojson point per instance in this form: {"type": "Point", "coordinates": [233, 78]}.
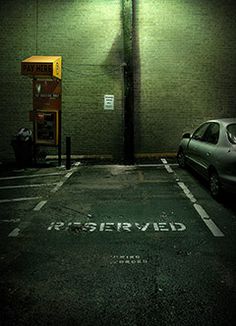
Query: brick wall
{"type": "Point", "coordinates": [187, 60]}
{"type": "Point", "coordinates": [185, 69]}
{"type": "Point", "coordinates": [17, 38]}
{"type": "Point", "coordinates": [88, 36]}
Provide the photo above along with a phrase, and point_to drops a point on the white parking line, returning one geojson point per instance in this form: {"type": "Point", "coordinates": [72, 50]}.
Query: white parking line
{"type": "Point", "coordinates": [18, 199]}
{"type": "Point", "coordinates": [15, 232]}
{"type": "Point", "coordinates": [167, 166]}
{"type": "Point", "coordinates": [154, 165]}
{"type": "Point", "coordinates": [28, 186]}
{"type": "Point", "coordinates": [208, 221]}
{"type": "Point", "coordinates": [187, 192]}
{"type": "Point", "coordinates": [40, 205]}
{"type": "Point", "coordinates": [164, 161]}
{"type": "Point", "coordinates": [55, 189]}
{"type": "Point", "coordinates": [58, 186]}
{"type": "Point", "coordinates": [200, 210]}
{"type": "Point", "coordinates": [14, 220]}
{"type": "Point", "coordinates": [69, 174]}
{"type": "Point", "coordinates": [32, 176]}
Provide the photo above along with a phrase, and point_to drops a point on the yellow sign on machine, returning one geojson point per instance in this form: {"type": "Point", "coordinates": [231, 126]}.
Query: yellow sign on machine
{"type": "Point", "coordinates": [42, 66]}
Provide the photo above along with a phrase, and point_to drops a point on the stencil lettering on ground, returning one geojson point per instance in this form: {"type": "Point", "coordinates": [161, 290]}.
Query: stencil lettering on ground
{"type": "Point", "coordinates": [77, 227]}
{"type": "Point", "coordinates": [132, 260]}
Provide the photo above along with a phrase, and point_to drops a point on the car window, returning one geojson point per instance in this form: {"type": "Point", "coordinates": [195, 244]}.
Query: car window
{"type": "Point", "coordinates": [199, 133]}
{"type": "Point", "coordinates": [231, 131]}
{"type": "Point", "coordinates": [212, 133]}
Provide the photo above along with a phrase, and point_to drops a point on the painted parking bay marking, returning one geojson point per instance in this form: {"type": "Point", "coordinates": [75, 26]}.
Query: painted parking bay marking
{"type": "Point", "coordinates": [117, 227]}
{"type": "Point", "coordinates": [32, 176]}
{"type": "Point", "coordinates": [56, 188]}
{"type": "Point", "coordinates": [28, 186]}
{"type": "Point", "coordinates": [3, 201]}
{"type": "Point", "coordinates": [215, 230]}
{"type": "Point", "coordinates": [15, 233]}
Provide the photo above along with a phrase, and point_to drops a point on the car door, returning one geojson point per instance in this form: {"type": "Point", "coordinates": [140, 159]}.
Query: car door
{"type": "Point", "coordinates": [192, 151]}
{"type": "Point", "coordinates": [208, 147]}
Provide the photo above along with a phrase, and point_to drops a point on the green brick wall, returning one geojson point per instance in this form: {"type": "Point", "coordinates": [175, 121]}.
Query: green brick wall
{"type": "Point", "coordinates": [187, 59]}
{"type": "Point", "coordinates": [88, 36]}
{"type": "Point", "coordinates": [184, 71]}
{"type": "Point", "coordinates": [17, 39]}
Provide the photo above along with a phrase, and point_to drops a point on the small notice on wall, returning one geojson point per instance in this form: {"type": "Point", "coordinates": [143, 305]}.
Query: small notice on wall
{"type": "Point", "coordinates": [108, 102]}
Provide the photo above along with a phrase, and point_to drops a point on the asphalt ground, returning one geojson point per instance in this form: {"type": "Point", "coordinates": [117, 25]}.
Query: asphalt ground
{"type": "Point", "coordinates": [115, 245]}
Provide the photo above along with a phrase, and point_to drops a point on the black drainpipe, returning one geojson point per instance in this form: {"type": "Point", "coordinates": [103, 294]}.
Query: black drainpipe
{"type": "Point", "coordinates": [128, 8]}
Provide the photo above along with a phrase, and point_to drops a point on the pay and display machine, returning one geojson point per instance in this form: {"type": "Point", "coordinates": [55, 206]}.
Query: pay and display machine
{"type": "Point", "coordinates": [45, 72]}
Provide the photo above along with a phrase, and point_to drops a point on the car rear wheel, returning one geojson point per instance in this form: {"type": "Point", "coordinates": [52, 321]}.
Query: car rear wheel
{"type": "Point", "coordinates": [214, 183]}
{"type": "Point", "coordinates": [181, 158]}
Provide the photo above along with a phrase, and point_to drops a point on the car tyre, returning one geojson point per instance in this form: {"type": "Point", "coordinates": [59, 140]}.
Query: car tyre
{"type": "Point", "coordinates": [214, 184]}
{"type": "Point", "coordinates": [181, 159]}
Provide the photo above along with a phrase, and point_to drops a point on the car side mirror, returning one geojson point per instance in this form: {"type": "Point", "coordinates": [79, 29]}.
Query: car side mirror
{"type": "Point", "coordinates": [186, 135]}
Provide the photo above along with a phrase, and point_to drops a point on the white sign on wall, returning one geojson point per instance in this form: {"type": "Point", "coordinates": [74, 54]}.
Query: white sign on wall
{"type": "Point", "coordinates": [108, 102]}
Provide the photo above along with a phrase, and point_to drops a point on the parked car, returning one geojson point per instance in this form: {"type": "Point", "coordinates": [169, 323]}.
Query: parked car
{"type": "Point", "coordinates": [211, 151]}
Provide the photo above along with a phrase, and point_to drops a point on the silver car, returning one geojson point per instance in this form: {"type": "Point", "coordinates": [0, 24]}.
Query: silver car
{"type": "Point", "coordinates": [211, 151]}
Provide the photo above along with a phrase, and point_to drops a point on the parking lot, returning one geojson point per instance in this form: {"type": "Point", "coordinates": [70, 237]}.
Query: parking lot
{"type": "Point", "coordinates": [115, 245]}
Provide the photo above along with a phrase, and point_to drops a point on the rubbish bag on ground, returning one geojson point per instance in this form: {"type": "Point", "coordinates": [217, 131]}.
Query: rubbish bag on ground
{"type": "Point", "coordinates": [22, 145]}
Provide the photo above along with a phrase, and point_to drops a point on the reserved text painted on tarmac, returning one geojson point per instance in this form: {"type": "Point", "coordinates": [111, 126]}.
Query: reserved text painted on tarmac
{"type": "Point", "coordinates": [117, 227]}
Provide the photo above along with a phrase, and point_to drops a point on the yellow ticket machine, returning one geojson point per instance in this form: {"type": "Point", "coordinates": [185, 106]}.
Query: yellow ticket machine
{"type": "Point", "coordinates": [47, 88]}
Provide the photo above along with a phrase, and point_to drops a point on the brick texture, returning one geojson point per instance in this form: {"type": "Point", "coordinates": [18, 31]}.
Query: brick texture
{"type": "Point", "coordinates": [88, 36]}
{"type": "Point", "coordinates": [186, 54]}
{"type": "Point", "coordinates": [184, 69]}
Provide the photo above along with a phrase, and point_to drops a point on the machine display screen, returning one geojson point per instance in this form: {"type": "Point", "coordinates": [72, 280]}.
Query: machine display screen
{"type": "Point", "coordinates": [46, 128]}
